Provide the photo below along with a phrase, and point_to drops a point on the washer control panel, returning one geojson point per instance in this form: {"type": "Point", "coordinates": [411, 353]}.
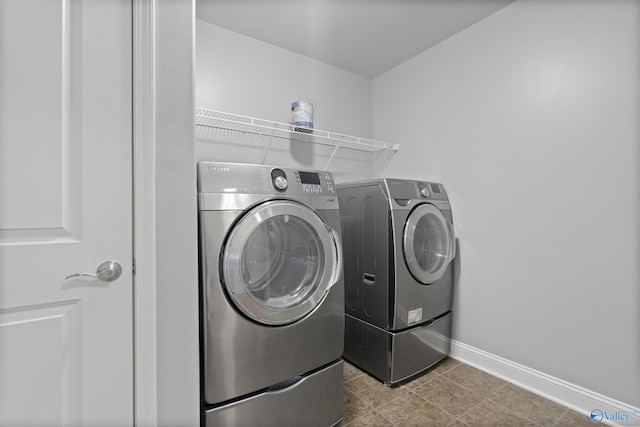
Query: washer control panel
{"type": "Point", "coordinates": [401, 189]}
{"type": "Point", "coordinates": [432, 190]}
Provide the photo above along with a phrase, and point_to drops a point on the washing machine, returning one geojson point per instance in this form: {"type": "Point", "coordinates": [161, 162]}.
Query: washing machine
{"type": "Point", "coordinates": [272, 296]}
{"type": "Point", "coordinates": [399, 244]}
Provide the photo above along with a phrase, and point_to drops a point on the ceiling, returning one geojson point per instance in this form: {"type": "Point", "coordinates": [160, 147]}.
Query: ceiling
{"type": "Point", "coordinates": [367, 37]}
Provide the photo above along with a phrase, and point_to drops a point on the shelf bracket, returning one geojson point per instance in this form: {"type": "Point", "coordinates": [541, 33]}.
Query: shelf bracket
{"type": "Point", "coordinates": [335, 149]}
{"type": "Point", "coordinates": [270, 140]}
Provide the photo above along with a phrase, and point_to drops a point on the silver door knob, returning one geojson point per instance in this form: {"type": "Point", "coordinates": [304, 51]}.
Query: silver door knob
{"type": "Point", "coordinates": [108, 271]}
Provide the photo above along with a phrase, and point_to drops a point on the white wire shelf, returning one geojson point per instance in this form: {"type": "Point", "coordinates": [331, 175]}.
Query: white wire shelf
{"type": "Point", "coordinates": [267, 128]}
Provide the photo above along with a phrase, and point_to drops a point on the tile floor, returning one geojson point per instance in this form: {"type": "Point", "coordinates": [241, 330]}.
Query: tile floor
{"type": "Point", "coordinates": [449, 394]}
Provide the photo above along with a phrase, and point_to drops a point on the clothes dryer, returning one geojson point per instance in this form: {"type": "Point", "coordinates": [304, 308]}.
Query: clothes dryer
{"type": "Point", "coordinates": [399, 244]}
{"type": "Point", "coordinates": [272, 296]}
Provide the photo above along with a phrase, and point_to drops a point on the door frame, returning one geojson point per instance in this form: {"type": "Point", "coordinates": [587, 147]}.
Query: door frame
{"type": "Point", "coordinates": [144, 218]}
{"type": "Point", "coordinates": [166, 337]}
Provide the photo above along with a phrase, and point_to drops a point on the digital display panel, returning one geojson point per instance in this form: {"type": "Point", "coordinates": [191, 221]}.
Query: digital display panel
{"type": "Point", "coordinates": [309, 178]}
{"type": "Point", "coordinates": [435, 188]}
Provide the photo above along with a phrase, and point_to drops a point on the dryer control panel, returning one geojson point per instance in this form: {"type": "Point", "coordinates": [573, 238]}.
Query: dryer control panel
{"type": "Point", "coordinates": [299, 182]}
{"type": "Point", "coordinates": [315, 182]}
{"type": "Point", "coordinates": [237, 178]}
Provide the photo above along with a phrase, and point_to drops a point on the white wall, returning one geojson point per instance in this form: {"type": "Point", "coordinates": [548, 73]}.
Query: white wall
{"type": "Point", "coordinates": [240, 75]}
{"type": "Point", "coordinates": [530, 119]}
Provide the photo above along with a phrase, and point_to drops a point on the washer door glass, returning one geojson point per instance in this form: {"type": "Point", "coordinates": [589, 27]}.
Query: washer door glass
{"type": "Point", "coordinates": [428, 243]}
{"type": "Point", "coordinates": [279, 262]}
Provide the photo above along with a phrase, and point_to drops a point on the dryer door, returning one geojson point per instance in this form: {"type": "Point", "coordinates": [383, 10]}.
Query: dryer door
{"type": "Point", "coordinates": [279, 261]}
{"type": "Point", "coordinates": [428, 243]}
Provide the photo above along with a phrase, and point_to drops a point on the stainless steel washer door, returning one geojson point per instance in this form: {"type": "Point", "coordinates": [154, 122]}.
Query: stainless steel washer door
{"type": "Point", "coordinates": [428, 243]}
{"type": "Point", "coordinates": [279, 262]}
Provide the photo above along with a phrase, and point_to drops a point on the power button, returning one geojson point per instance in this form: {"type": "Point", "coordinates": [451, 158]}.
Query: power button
{"type": "Point", "coordinates": [279, 179]}
{"type": "Point", "coordinates": [281, 183]}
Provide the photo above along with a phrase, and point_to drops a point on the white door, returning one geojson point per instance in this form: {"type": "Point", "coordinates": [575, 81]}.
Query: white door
{"type": "Point", "coordinates": [66, 356]}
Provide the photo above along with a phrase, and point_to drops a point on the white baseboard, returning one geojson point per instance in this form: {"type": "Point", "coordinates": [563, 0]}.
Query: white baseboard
{"type": "Point", "coordinates": [562, 392]}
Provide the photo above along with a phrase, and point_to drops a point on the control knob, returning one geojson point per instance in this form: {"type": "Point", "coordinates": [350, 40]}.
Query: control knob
{"type": "Point", "coordinates": [281, 183]}
{"type": "Point", "coordinates": [424, 192]}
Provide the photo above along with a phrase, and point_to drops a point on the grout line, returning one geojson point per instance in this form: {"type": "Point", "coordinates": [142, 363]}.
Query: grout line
{"type": "Point", "coordinates": [560, 417]}
{"type": "Point", "coordinates": [391, 423]}
{"type": "Point", "coordinates": [459, 418]}
{"type": "Point", "coordinates": [369, 408]}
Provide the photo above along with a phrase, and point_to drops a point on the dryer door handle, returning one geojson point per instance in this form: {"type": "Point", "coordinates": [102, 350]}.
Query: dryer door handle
{"type": "Point", "coordinates": [337, 252]}
{"type": "Point", "coordinates": [453, 251]}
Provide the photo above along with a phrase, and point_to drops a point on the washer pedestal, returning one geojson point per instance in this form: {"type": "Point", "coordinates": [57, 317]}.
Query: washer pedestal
{"type": "Point", "coordinates": [313, 400]}
{"type": "Point", "coordinates": [395, 356]}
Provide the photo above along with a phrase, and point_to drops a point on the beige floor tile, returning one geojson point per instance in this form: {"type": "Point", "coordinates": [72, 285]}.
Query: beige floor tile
{"type": "Point", "coordinates": [373, 391]}
{"type": "Point", "coordinates": [529, 405]}
{"type": "Point", "coordinates": [372, 419]}
{"type": "Point", "coordinates": [451, 397]}
{"type": "Point", "coordinates": [487, 413]}
{"type": "Point", "coordinates": [354, 407]}
{"type": "Point", "coordinates": [445, 365]}
{"type": "Point", "coordinates": [457, 423]}
{"type": "Point", "coordinates": [450, 394]}
{"type": "Point", "coordinates": [425, 377]}
{"type": "Point", "coordinates": [572, 418]}
{"type": "Point", "coordinates": [411, 410]}
{"type": "Point", "coordinates": [474, 379]}
{"type": "Point", "coordinates": [350, 371]}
